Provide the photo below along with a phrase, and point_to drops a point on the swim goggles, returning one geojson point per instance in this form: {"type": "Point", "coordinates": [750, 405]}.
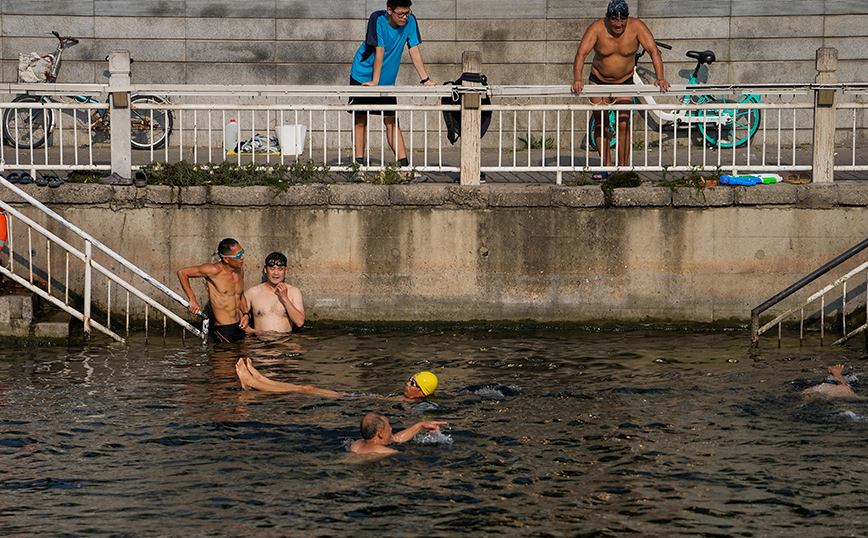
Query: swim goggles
{"type": "Point", "coordinates": [275, 264]}
{"type": "Point", "coordinates": [237, 256]}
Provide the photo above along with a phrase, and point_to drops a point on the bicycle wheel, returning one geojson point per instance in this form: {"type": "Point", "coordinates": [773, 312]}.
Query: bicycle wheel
{"type": "Point", "coordinates": [26, 128]}
{"type": "Point", "coordinates": [150, 127]}
{"type": "Point", "coordinates": [737, 130]}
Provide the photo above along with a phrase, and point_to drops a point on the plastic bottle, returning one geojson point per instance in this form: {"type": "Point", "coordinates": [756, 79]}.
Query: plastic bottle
{"type": "Point", "coordinates": [740, 180]}
{"type": "Point", "coordinates": [230, 136]}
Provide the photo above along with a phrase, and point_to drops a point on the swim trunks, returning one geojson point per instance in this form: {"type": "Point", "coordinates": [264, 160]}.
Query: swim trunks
{"type": "Point", "coordinates": [228, 334]}
{"type": "Point", "coordinates": [594, 79]}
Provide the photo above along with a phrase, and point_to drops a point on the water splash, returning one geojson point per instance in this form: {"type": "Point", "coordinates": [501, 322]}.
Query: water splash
{"type": "Point", "coordinates": [433, 438]}
{"type": "Point", "coordinates": [494, 390]}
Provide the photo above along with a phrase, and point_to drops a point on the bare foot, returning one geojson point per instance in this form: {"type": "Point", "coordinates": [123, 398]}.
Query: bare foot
{"type": "Point", "coordinates": [243, 374]}
{"type": "Point", "coordinates": [255, 373]}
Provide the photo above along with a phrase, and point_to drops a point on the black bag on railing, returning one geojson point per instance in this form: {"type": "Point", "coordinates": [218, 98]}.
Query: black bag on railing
{"type": "Point", "coordinates": [453, 117]}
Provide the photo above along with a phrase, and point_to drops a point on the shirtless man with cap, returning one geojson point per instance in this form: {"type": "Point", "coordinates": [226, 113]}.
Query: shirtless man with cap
{"type": "Point", "coordinates": [277, 307]}
{"type": "Point", "coordinates": [417, 388]}
{"type": "Point", "coordinates": [225, 283]}
{"type": "Point", "coordinates": [615, 40]}
{"type": "Point", "coordinates": [377, 434]}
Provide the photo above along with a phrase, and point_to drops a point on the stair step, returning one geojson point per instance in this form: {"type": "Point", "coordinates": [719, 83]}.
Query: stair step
{"type": "Point", "coordinates": [55, 326]}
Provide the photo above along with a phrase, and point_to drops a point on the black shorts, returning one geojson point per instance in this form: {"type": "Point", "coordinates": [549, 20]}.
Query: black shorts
{"type": "Point", "coordinates": [228, 334]}
{"type": "Point", "coordinates": [373, 100]}
{"type": "Point", "coordinates": [593, 79]}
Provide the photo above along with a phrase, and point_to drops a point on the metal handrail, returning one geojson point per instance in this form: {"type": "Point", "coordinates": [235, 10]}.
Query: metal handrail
{"type": "Point", "coordinates": [801, 283]}
{"type": "Point", "coordinates": [87, 259]}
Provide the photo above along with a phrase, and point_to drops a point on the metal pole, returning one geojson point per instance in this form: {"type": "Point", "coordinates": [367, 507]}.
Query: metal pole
{"type": "Point", "coordinates": [88, 257]}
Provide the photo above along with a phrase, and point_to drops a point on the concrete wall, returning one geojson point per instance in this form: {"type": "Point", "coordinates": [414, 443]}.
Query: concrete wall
{"type": "Point", "coordinates": [494, 252]}
{"type": "Point", "coordinates": [522, 41]}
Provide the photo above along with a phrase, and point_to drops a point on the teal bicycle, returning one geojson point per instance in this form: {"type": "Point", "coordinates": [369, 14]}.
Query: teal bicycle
{"type": "Point", "coordinates": [720, 127]}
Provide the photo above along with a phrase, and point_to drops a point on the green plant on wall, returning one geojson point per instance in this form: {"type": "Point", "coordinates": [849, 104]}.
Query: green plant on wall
{"type": "Point", "coordinates": [536, 142]}
{"type": "Point", "coordinates": [186, 174]}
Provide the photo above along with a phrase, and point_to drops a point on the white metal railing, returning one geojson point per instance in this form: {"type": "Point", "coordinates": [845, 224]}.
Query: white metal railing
{"type": "Point", "coordinates": [533, 128]}
{"type": "Point", "coordinates": [36, 270]}
{"type": "Point", "coordinates": [817, 297]}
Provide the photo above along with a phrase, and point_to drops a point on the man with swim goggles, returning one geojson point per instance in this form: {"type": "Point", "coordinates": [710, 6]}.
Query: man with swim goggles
{"type": "Point", "coordinates": [224, 281]}
{"type": "Point", "coordinates": [615, 40]}
{"type": "Point", "coordinates": [418, 387]}
{"type": "Point", "coordinates": [276, 306]}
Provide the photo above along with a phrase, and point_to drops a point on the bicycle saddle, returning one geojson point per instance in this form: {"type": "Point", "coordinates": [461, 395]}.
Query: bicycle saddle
{"type": "Point", "coordinates": [704, 57]}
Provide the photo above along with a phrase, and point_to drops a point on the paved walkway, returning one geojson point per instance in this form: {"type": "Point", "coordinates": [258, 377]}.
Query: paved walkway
{"type": "Point", "coordinates": [700, 157]}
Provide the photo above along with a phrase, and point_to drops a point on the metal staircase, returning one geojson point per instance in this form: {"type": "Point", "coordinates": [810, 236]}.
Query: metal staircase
{"type": "Point", "coordinates": [43, 267]}
{"type": "Point", "coordinates": [816, 300]}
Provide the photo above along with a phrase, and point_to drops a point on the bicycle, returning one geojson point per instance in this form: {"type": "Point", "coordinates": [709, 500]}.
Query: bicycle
{"type": "Point", "coordinates": [28, 128]}
{"type": "Point", "coordinates": [722, 128]}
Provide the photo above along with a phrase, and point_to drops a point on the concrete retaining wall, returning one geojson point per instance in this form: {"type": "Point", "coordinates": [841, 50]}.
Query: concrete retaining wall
{"type": "Point", "coordinates": [494, 252]}
{"type": "Point", "coordinates": [522, 41]}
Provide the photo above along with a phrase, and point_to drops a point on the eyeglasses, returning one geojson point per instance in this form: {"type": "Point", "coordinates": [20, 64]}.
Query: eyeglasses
{"type": "Point", "coordinates": [413, 382]}
{"type": "Point", "coordinates": [402, 14]}
{"type": "Point", "coordinates": [237, 256]}
{"type": "Point", "coordinates": [275, 264]}
{"type": "Point", "coordinates": [617, 16]}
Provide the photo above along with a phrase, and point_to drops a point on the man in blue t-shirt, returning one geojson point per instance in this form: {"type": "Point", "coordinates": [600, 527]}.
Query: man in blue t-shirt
{"type": "Point", "coordinates": [376, 64]}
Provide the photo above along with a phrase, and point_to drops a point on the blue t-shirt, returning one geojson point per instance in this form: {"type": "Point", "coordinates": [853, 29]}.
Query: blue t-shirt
{"type": "Point", "coordinates": [381, 34]}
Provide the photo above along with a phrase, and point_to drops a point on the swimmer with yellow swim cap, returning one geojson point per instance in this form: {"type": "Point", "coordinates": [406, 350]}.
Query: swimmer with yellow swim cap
{"type": "Point", "coordinates": [417, 388]}
{"type": "Point", "coordinates": [420, 386]}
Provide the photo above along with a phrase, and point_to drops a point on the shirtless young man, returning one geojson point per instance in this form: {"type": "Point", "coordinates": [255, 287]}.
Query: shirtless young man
{"type": "Point", "coordinates": [277, 306]}
{"type": "Point", "coordinates": [225, 284]}
{"type": "Point", "coordinates": [615, 40]}
{"type": "Point", "coordinates": [377, 434]}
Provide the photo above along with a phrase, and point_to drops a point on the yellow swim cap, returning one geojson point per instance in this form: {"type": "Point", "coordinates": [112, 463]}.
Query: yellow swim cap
{"type": "Point", "coordinates": [427, 382]}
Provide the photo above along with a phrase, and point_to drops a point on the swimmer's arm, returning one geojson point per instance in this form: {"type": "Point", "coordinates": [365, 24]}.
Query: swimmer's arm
{"type": "Point", "coordinates": [589, 40]}
{"type": "Point", "coordinates": [647, 42]}
{"type": "Point", "coordinates": [837, 371]}
{"type": "Point", "coordinates": [243, 312]}
{"type": "Point", "coordinates": [290, 298]}
{"type": "Point", "coordinates": [206, 270]}
{"type": "Point", "coordinates": [405, 435]}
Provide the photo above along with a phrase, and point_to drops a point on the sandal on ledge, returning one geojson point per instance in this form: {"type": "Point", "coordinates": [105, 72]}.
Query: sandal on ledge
{"type": "Point", "coordinates": [600, 176]}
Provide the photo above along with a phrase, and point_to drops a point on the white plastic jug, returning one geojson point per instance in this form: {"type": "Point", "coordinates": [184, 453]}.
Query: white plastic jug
{"type": "Point", "coordinates": [230, 136]}
{"type": "Point", "coordinates": [291, 138]}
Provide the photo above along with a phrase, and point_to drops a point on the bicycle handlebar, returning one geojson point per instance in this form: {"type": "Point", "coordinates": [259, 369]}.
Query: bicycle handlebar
{"type": "Point", "coordinates": [664, 45]}
{"type": "Point", "coordinates": [62, 39]}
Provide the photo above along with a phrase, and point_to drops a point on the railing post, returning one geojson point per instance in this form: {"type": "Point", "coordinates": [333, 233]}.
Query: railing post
{"type": "Point", "coordinates": [824, 116]}
{"type": "Point", "coordinates": [471, 121]}
{"type": "Point", "coordinates": [119, 82]}
{"type": "Point", "coordinates": [88, 271]}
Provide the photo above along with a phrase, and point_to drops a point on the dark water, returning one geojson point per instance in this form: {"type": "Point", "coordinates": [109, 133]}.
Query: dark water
{"type": "Point", "coordinates": [551, 433]}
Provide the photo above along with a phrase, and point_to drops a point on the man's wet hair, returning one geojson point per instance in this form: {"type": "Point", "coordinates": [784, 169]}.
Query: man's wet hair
{"type": "Point", "coordinates": [225, 246]}
{"type": "Point", "coordinates": [372, 424]}
{"type": "Point", "coordinates": [275, 257]}
{"type": "Point", "coordinates": [392, 4]}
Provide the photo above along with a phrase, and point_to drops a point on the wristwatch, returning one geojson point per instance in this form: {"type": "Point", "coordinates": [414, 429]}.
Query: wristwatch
{"type": "Point", "coordinates": [424, 80]}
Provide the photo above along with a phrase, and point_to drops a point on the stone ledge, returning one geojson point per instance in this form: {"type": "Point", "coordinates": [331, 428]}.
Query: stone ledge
{"type": "Point", "coordinates": [846, 194]}
{"type": "Point", "coordinates": [645, 195]}
{"type": "Point", "coordinates": [713, 196]}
